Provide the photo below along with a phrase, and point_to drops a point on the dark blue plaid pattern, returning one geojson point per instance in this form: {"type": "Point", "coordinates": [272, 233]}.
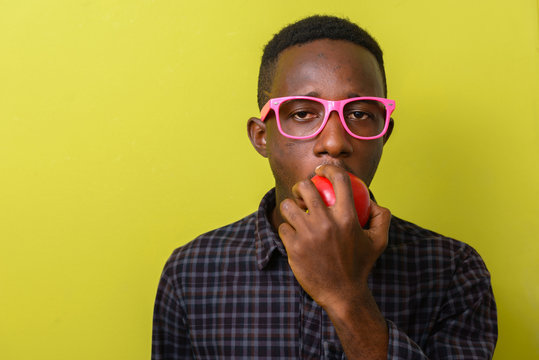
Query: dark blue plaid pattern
{"type": "Point", "coordinates": [230, 294]}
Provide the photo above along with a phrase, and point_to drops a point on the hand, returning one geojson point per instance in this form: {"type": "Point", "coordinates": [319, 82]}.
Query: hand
{"type": "Point", "coordinates": [328, 251]}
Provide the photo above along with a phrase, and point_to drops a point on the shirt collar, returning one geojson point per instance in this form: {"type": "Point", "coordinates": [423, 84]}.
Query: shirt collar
{"type": "Point", "coordinates": [266, 238]}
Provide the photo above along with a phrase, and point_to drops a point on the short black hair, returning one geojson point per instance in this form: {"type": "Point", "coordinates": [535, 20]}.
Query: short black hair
{"type": "Point", "coordinates": [306, 30]}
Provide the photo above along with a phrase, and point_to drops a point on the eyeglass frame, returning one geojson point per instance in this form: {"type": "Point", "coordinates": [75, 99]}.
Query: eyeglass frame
{"type": "Point", "coordinates": [329, 107]}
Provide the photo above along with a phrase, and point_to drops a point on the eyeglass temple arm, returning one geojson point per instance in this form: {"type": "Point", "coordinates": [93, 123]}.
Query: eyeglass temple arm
{"type": "Point", "coordinates": [265, 110]}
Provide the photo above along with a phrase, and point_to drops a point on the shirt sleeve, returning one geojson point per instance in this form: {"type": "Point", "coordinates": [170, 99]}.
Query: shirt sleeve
{"type": "Point", "coordinates": [170, 339]}
{"type": "Point", "coordinates": [466, 325]}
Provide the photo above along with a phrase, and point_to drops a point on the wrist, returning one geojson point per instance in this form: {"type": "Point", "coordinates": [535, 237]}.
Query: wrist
{"type": "Point", "coordinates": [351, 302]}
{"type": "Point", "coordinates": [360, 325]}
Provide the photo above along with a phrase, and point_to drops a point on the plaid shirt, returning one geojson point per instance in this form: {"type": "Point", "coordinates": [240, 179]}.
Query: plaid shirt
{"type": "Point", "coordinates": [230, 294]}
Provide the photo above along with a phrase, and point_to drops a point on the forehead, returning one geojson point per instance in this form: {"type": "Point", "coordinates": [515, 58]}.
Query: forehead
{"type": "Point", "coordinates": [332, 69]}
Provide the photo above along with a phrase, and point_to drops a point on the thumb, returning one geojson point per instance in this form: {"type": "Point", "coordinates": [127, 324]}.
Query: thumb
{"type": "Point", "coordinates": [378, 231]}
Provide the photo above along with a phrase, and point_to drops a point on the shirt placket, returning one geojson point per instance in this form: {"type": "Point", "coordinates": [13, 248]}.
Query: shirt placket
{"type": "Point", "coordinates": [310, 327]}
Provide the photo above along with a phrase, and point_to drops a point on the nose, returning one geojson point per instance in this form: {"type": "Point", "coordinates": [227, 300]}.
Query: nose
{"type": "Point", "coordinates": [333, 140]}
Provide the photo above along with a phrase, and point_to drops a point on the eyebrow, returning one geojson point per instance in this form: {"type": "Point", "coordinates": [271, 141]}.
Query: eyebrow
{"type": "Point", "coordinates": [316, 94]}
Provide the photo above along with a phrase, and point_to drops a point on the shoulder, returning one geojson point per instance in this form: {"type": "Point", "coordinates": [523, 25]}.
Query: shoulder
{"type": "Point", "coordinates": [403, 234]}
{"type": "Point", "coordinates": [235, 240]}
{"type": "Point", "coordinates": [428, 249]}
{"type": "Point", "coordinates": [436, 289]}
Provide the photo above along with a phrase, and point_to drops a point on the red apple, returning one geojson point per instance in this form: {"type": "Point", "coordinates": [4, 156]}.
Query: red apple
{"type": "Point", "coordinates": [362, 200]}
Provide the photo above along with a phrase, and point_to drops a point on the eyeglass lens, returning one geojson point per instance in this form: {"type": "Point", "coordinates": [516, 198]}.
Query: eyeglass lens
{"type": "Point", "coordinates": [303, 117]}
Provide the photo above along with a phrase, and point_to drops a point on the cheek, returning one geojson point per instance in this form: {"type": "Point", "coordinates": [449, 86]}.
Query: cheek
{"type": "Point", "coordinates": [281, 156]}
{"type": "Point", "coordinates": [371, 155]}
{"type": "Point", "coordinates": [288, 160]}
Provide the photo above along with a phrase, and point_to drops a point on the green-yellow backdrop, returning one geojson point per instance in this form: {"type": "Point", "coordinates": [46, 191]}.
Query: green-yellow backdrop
{"type": "Point", "coordinates": [122, 136]}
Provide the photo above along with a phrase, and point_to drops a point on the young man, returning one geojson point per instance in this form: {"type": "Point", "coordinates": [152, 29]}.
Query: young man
{"type": "Point", "coordinates": [297, 279]}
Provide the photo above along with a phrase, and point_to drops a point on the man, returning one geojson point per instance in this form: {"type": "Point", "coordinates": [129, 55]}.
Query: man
{"type": "Point", "coordinates": [297, 279]}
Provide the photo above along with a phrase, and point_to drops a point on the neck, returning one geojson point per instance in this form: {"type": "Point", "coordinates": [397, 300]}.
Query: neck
{"type": "Point", "coordinates": [275, 216]}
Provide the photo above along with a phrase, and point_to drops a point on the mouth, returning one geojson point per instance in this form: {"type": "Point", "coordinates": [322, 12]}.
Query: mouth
{"type": "Point", "coordinates": [333, 163]}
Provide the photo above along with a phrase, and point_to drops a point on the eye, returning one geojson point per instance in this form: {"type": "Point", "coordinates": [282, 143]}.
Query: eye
{"type": "Point", "coordinates": [301, 111]}
{"type": "Point", "coordinates": [303, 115]}
{"type": "Point", "coordinates": [358, 115]}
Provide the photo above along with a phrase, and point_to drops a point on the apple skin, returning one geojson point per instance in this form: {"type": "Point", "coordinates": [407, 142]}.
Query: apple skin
{"type": "Point", "coordinates": [362, 200]}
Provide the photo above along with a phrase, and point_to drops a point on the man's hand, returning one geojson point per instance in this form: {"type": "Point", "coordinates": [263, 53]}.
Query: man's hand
{"type": "Point", "coordinates": [331, 257]}
{"type": "Point", "coordinates": [328, 251]}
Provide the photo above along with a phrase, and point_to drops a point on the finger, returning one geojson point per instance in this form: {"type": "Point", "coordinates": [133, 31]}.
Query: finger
{"type": "Point", "coordinates": [342, 187]}
{"type": "Point", "coordinates": [306, 194]}
{"type": "Point", "coordinates": [298, 197]}
{"type": "Point", "coordinates": [287, 234]}
{"type": "Point", "coordinates": [292, 213]}
{"type": "Point", "coordinates": [380, 219]}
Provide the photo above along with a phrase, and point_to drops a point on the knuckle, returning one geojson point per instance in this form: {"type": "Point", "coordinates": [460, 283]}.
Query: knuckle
{"type": "Point", "coordinates": [285, 206]}
{"type": "Point", "coordinates": [292, 216]}
{"type": "Point", "coordinates": [341, 177]}
{"type": "Point", "coordinates": [285, 233]}
{"type": "Point", "coordinates": [324, 228]}
{"type": "Point", "coordinates": [317, 204]}
{"type": "Point", "coordinates": [304, 184]}
{"type": "Point", "coordinates": [348, 218]}
{"type": "Point", "coordinates": [386, 213]}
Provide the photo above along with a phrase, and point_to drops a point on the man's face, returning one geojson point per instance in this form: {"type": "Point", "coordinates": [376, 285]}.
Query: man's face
{"type": "Point", "coordinates": [332, 70]}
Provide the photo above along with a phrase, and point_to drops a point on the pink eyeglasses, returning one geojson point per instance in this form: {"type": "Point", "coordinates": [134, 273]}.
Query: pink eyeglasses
{"type": "Point", "coordinates": [303, 117]}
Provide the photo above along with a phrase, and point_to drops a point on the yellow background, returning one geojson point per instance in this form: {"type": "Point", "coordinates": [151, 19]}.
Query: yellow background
{"type": "Point", "coordinates": [122, 136]}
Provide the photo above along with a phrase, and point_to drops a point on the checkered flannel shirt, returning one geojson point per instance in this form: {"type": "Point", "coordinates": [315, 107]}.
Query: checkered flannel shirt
{"type": "Point", "coordinates": [230, 294]}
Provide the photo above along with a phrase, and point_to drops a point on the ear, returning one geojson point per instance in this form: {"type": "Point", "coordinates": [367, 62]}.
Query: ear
{"type": "Point", "coordinates": [256, 130]}
{"type": "Point", "coordinates": [389, 130]}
